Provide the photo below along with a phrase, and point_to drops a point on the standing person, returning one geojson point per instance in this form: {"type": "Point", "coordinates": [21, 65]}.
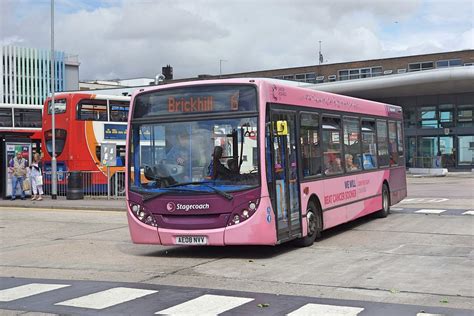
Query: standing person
{"type": "Point", "coordinates": [36, 178]}
{"type": "Point", "coordinates": [18, 167]}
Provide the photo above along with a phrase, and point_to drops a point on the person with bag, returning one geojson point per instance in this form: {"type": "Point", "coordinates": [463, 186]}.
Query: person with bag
{"type": "Point", "coordinates": [18, 167]}
{"type": "Point", "coordinates": [36, 178]}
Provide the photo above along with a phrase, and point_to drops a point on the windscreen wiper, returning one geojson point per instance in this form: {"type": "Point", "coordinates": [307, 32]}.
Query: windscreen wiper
{"type": "Point", "coordinates": [150, 196]}
{"type": "Point", "coordinates": [204, 183]}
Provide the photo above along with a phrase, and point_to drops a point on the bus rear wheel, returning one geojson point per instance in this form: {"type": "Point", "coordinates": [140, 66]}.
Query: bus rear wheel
{"type": "Point", "coordinates": [315, 226]}
{"type": "Point", "coordinates": [385, 202]}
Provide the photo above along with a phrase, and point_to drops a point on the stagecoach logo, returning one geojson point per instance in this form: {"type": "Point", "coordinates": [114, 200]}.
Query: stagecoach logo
{"type": "Point", "coordinates": [171, 207]}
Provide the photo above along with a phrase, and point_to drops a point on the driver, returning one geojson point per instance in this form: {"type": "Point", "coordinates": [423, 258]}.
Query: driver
{"type": "Point", "coordinates": [179, 153]}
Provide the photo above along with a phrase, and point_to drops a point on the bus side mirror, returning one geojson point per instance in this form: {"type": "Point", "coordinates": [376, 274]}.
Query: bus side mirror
{"type": "Point", "coordinates": [282, 128]}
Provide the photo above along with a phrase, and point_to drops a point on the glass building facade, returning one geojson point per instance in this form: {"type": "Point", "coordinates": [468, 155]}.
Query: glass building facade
{"type": "Point", "coordinates": [25, 74]}
{"type": "Point", "coordinates": [439, 130]}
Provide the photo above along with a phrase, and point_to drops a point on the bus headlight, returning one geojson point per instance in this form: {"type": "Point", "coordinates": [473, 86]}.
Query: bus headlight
{"type": "Point", "coordinates": [243, 212]}
{"type": "Point", "coordinates": [143, 215]}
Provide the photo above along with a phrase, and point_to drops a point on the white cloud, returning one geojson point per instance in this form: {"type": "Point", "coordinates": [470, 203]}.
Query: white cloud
{"type": "Point", "coordinates": [135, 38]}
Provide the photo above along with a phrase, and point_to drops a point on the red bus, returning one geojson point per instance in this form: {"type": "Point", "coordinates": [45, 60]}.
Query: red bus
{"type": "Point", "coordinates": [257, 162]}
{"type": "Point", "coordinates": [83, 123]}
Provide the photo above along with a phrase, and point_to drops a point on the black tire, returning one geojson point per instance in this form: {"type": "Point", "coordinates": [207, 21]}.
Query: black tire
{"type": "Point", "coordinates": [315, 226]}
{"type": "Point", "coordinates": [385, 210]}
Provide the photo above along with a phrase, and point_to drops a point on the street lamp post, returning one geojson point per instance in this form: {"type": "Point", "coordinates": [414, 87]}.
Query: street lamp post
{"type": "Point", "coordinates": [220, 66]}
{"type": "Point", "coordinates": [54, 178]}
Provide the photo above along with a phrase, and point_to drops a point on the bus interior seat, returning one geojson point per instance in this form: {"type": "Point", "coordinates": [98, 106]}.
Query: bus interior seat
{"type": "Point", "coordinates": [368, 161]}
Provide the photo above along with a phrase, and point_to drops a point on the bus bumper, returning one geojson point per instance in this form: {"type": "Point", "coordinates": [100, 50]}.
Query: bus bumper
{"type": "Point", "coordinates": [259, 229]}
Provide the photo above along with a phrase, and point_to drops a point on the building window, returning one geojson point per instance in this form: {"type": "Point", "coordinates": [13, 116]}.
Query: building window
{"type": "Point", "coordinates": [409, 116]}
{"type": "Point", "coordinates": [343, 74]}
{"type": "Point", "coordinates": [466, 150]}
{"type": "Point", "coordinates": [348, 74]}
{"type": "Point", "coordinates": [332, 78]}
{"type": "Point", "coordinates": [27, 118]}
{"type": "Point", "coordinates": [448, 63]}
{"type": "Point", "coordinates": [465, 115]}
{"type": "Point", "coordinates": [308, 77]}
{"type": "Point", "coordinates": [288, 77]}
{"type": "Point", "coordinates": [428, 117]}
{"type": "Point", "coordinates": [420, 66]}
{"type": "Point", "coordinates": [311, 77]}
{"type": "Point", "coordinates": [6, 118]}
{"type": "Point", "coordinates": [427, 152]}
{"type": "Point", "coordinates": [446, 115]}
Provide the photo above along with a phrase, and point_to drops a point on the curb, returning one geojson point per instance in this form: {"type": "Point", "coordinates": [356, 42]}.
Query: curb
{"type": "Point", "coordinates": [65, 207]}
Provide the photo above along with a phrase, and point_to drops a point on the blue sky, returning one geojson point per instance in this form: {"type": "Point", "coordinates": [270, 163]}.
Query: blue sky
{"type": "Point", "coordinates": [135, 38]}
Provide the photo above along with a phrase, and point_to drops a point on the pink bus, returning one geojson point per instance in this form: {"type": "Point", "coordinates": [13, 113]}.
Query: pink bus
{"type": "Point", "coordinates": [257, 162]}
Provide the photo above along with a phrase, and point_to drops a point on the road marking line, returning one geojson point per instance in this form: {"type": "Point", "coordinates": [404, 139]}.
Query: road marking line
{"type": "Point", "coordinates": [468, 213]}
{"type": "Point", "coordinates": [107, 298]}
{"type": "Point", "coordinates": [426, 211]}
{"type": "Point", "coordinates": [31, 209]}
{"type": "Point", "coordinates": [396, 209]}
{"type": "Point", "coordinates": [206, 305]}
{"type": "Point", "coordinates": [326, 310]}
{"type": "Point", "coordinates": [26, 290]}
{"type": "Point", "coordinates": [428, 314]}
{"type": "Point", "coordinates": [424, 200]}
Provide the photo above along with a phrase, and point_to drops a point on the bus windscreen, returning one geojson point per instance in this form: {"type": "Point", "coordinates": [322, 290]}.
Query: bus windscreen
{"type": "Point", "coordinates": [218, 151]}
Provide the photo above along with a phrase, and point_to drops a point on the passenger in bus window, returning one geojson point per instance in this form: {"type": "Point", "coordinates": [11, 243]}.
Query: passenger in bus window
{"type": "Point", "coordinates": [179, 153]}
{"type": "Point", "coordinates": [332, 163]}
{"type": "Point", "coordinates": [350, 166]}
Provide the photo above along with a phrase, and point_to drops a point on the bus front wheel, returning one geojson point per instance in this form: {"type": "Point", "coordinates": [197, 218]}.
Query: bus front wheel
{"type": "Point", "coordinates": [315, 226]}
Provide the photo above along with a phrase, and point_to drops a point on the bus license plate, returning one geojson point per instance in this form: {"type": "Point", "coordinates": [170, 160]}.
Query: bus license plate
{"type": "Point", "coordinates": [191, 240]}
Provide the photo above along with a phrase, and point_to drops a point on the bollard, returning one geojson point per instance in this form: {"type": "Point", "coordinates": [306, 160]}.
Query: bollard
{"type": "Point", "coordinates": [75, 190]}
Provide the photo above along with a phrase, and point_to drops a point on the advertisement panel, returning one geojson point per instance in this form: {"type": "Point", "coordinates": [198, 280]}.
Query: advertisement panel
{"type": "Point", "coordinates": [10, 150]}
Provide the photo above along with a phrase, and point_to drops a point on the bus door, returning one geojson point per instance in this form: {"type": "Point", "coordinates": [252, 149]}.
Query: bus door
{"type": "Point", "coordinates": [284, 184]}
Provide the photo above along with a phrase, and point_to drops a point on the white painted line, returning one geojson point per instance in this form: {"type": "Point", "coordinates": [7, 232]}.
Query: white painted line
{"type": "Point", "coordinates": [468, 213]}
{"type": "Point", "coordinates": [107, 298]}
{"type": "Point", "coordinates": [206, 305]}
{"type": "Point", "coordinates": [26, 290]}
{"type": "Point", "coordinates": [396, 209]}
{"type": "Point", "coordinates": [424, 200]}
{"type": "Point", "coordinates": [428, 314]}
{"type": "Point", "coordinates": [426, 211]}
{"type": "Point", "coordinates": [326, 310]}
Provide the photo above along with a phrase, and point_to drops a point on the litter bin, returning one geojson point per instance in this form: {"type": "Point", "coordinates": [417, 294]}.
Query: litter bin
{"type": "Point", "coordinates": [74, 186]}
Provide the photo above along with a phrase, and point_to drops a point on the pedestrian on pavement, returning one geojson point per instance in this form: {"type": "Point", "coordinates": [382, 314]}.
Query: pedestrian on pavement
{"type": "Point", "coordinates": [36, 178]}
{"type": "Point", "coordinates": [18, 167]}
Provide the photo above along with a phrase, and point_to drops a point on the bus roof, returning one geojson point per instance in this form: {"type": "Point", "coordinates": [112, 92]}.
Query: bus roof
{"type": "Point", "coordinates": [92, 96]}
{"type": "Point", "coordinates": [297, 93]}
